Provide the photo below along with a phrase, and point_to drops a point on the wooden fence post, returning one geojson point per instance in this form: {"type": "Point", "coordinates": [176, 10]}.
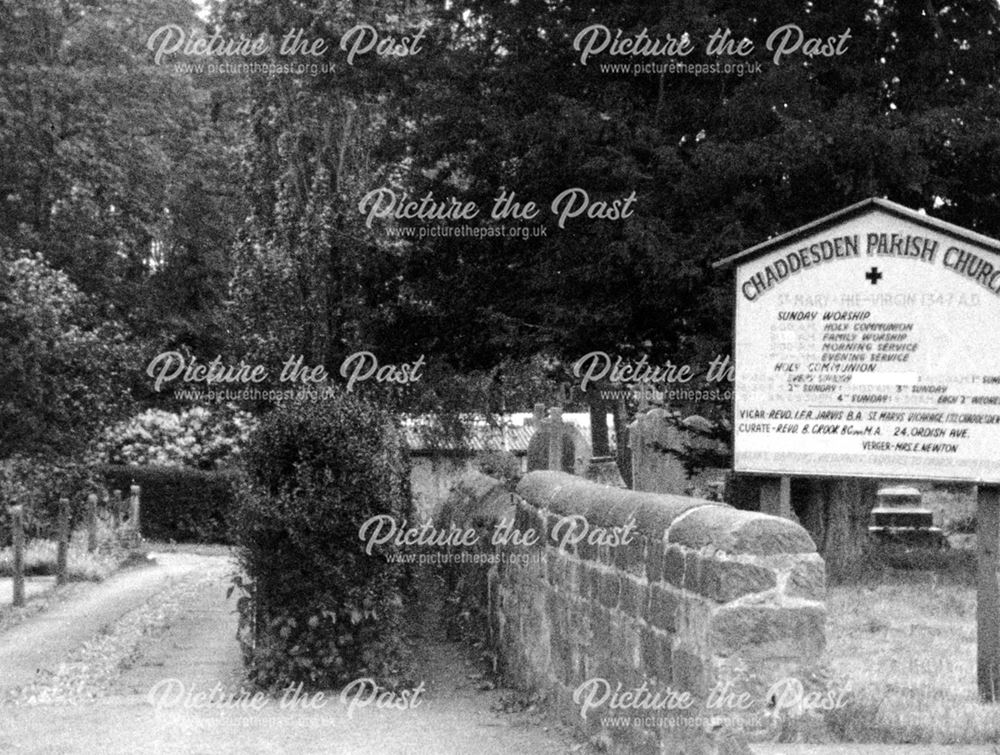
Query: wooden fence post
{"type": "Point", "coordinates": [555, 438]}
{"type": "Point", "coordinates": [134, 508]}
{"type": "Point", "coordinates": [116, 508]}
{"type": "Point", "coordinates": [92, 522]}
{"type": "Point", "coordinates": [17, 535]}
{"type": "Point", "coordinates": [63, 534]}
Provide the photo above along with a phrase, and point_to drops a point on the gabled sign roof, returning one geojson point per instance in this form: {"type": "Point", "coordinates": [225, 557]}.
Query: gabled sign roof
{"type": "Point", "coordinates": [871, 205]}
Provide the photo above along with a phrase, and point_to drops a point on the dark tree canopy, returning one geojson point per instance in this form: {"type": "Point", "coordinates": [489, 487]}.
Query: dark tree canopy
{"type": "Point", "coordinates": [499, 100]}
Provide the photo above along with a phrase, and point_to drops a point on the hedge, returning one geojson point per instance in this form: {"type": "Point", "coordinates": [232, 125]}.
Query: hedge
{"type": "Point", "coordinates": [318, 609]}
{"type": "Point", "coordinates": [179, 503]}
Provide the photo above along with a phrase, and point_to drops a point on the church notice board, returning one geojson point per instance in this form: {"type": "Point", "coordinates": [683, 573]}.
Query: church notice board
{"type": "Point", "coordinates": [867, 344]}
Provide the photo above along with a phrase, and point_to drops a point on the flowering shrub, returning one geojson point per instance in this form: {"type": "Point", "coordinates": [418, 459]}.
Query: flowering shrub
{"type": "Point", "coordinates": [195, 437]}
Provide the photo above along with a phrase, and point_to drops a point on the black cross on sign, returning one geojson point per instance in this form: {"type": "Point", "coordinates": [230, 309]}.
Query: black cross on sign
{"type": "Point", "coordinates": [874, 276]}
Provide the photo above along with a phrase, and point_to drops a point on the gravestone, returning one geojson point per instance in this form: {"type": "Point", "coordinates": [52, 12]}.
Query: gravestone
{"type": "Point", "coordinates": [653, 469]}
{"type": "Point", "coordinates": [652, 435]}
{"type": "Point", "coordinates": [575, 454]}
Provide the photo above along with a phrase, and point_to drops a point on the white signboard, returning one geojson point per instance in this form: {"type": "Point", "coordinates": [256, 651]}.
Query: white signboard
{"type": "Point", "coordinates": [868, 345]}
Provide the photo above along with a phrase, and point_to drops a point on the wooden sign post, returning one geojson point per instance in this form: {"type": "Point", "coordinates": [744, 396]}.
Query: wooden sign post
{"type": "Point", "coordinates": [865, 347]}
{"type": "Point", "coordinates": [988, 601]}
{"type": "Point", "coordinates": [776, 496]}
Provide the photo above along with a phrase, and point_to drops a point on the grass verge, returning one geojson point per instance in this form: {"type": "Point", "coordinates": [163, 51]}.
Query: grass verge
{"type": "Point", "coordinates": [82, 566]}
{"type": "Point", "coordinates": [906, 641]}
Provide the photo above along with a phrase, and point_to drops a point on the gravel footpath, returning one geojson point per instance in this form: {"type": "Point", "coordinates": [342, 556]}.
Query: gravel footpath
{"type": "Point", "coordinates": [96, 697]}
{"type": "Point", "coordinates": [36, 648]}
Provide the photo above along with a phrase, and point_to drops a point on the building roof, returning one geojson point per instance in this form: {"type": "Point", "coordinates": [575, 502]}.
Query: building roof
{"type": "Point", "coordinates": [511, 433]}
{"type": "Point", "coordinates": [477, 440]}
{"type": "Point", "coordinates": [872, 204]}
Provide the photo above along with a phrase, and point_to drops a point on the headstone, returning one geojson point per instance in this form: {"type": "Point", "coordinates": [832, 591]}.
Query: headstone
{"type": "Point", "coordinates": [576, 451]}
{"type": "Point", "coordinates": [653, 469]}
{"type": "Point", "coordinates": [652, 435]}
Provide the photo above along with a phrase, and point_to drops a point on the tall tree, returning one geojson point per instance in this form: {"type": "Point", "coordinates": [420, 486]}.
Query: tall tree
{"type": "Point", "coordinates": [309, 276]}
{"type": "Point", "coordinates": [105, 158]}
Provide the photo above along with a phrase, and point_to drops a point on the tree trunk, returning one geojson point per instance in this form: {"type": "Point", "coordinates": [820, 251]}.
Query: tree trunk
{"type": "Point", "coordinates": [813, 516]}
{"type": "Point", "coordinates": [837, 520]}
{"type": "Point", "coordinates": [599, 442]}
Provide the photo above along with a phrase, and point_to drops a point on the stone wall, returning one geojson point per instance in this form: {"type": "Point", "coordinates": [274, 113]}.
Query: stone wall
{"type": "Point", "coordinates": [701, 599]}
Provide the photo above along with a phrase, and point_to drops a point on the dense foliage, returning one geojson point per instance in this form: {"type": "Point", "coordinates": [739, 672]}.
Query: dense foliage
{"type": "Point", "coordinates": [321, 610]}
{"type": "Point", "coordinates": [37, 483]}
{"type": "Point", "coordinates": [178, 503]}
{"type": "Point", "coordinates": [64, 371]}
{"type": "Point", "coordinates": [120, 171]}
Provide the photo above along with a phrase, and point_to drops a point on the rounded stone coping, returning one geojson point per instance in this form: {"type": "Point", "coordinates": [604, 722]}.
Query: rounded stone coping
{"type": "Point", "coordinates": [692, 522]}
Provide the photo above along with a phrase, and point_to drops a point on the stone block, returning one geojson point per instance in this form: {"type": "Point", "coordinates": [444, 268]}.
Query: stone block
{"type": "Point", "coordinates": [634, 599]}
{"type": "Point", "coordinates": [587, 551]}
{"type": "Point", "coordinates": [600, 622]}
{"type": "Point", "coordinates": [807, 579]}
{"type": "Point", "coordinates": [605, 555]}
{"type": "Point", "coordinates": [689, 673]}
{"type": "Point", "coordinates": [724, 580]}
{"type": "Point", "coordinates": [674, 566]}
{"type": "Point", "coordinates": [735, 531]}
{"type": "Point", "coordinates": [590, 581]}
{"type": "Point", "coordinates": [543, 521]}
{"type": "Point", "coordinates": [571, 576]}
{"type": "Point", "coordinates": [609, 589]}
{"type": "Point", "coordinates": [691, 580]}
{"type": "Point", "coordinates": [525, 518]}
{"type": "Point", "coordinates": [664, 606]}
{"type": "Point", "coordinates": [654, 560]}
{"type": "Point", "coordinates": [657, 512]}
{"type": "Point", "coordinates": [631, 557]}
{"type": "Point", "coordinates": [757, 631]}
{"type": "Point", "coordinates": [655, 649]}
